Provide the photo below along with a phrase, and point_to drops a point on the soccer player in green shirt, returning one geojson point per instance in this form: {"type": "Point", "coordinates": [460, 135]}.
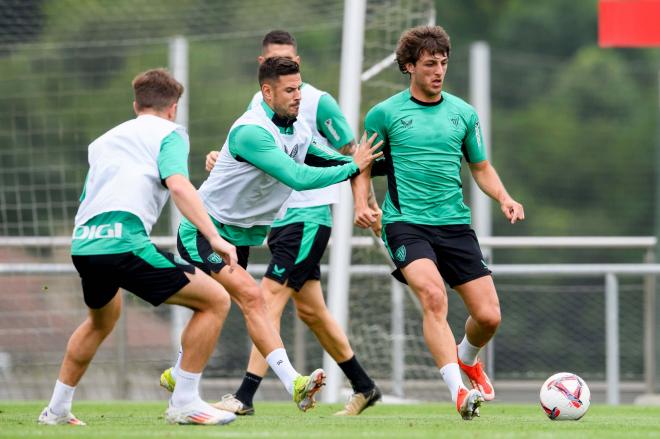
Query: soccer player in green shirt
{"type": "Point", "coordinates": [426, 225]}
{"type": "Point", "coordinates": [133, 169]}
{"type": "Point", "coordinates": [297, 243]}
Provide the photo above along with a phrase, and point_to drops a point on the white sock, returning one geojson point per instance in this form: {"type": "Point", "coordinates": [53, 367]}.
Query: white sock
{"type": "Point", "coordinates": [187, 388]}
{"type": "Point", "coordinates": [278, 360]}
{"type": "Point", "coordinates": [60, 403]}
{"type": "Point", "coordinates": [177, 365]}
{"type": "Point", "coordinates": [467, 352]}
{"type": "Point", "coordinates": [451, 373]}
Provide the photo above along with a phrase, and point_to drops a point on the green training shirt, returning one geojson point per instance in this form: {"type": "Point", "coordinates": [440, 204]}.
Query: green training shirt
{"type": "Point", "coordinates": [423, 146]}
{"type": "Point", "coordinates": [120, 232]}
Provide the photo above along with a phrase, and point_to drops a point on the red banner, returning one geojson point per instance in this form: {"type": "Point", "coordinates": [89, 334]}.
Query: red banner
{"type": "Point", "coordinates": [629, 23]}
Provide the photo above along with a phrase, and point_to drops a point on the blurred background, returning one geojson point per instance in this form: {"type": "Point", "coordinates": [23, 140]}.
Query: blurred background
{"type": "Point", "coordinates": [574, 134]}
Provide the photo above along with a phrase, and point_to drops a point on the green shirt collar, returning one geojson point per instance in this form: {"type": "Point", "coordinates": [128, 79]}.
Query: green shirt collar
{"type": "Point", "coordinates": [285, 125]}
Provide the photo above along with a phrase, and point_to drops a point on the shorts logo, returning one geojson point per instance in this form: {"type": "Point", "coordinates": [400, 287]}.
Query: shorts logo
{"type": "Point", "coordinates": [214, 258]}
{"type": "Point", "coordinates": [400, 254]}
{"type": "Point", "coordinates": [406, 123]}
{"type": "Point", "coordinates": [483, 263]}
{"type": "Point", "coordinates": [277, 271]}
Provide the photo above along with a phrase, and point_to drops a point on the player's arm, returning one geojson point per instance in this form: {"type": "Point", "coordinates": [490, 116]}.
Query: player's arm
{"type": "Point", "coordinates": [173, 168]}
{"type": "Point", "coordinates": [367, 213]}
{"type": "Point", "coordinates": [256, 146]}
{"type": "Point", "coordinates": [484, 173]}
{"type": "Point", "coordinates": [332, 124]}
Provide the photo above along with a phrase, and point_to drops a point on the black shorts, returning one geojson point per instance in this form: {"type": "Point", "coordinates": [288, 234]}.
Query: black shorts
{"type": "Point", "coordinates": [454, 249]}
{"type": "Point", "coordinates": [149, 273]}
{"type": "Point", "coordinates": [296, 250]}
{"type": "Point", "coordinates": [196, 249]}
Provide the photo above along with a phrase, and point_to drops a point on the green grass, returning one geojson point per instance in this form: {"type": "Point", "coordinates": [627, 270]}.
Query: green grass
{"type": "Point", "coordinates": [119, 420]}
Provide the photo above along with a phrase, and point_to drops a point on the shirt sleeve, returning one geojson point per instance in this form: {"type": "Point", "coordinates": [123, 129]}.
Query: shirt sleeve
{"type": "Point", "coordinates": [255, 145]}
{"type": "Point", "coordinates": [330, 122]}
{"type": "Point", "coordinates": [374, 122]}
{"type": "Point", "coordinates": [173, 155]}
{"type": "Point", "coordinates": [473, 147]}
{"type": "Point", "coordinates": [319, 155]}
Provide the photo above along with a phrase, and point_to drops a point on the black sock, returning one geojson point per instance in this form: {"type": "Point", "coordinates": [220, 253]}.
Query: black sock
{"type": "Point", "coordinates": [360, 381]}
{"type": "Point", "coordinates": [248, 388]}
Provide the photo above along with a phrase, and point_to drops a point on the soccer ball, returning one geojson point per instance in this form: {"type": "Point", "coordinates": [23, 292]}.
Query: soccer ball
{"type": "Point", "coordinates": [565, 396]}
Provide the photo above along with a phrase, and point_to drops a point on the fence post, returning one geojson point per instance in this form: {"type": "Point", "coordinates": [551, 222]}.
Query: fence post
{"type": "Point", "coordinates": [649, 326]}
{"type": "Point", "coordinates": [612, 338]}
{"type": "Point", "coordinates": [398, 339]}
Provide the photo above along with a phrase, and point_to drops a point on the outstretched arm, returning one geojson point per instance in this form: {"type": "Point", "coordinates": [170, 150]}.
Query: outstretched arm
{"type": "Point", "coordinates": [489, 182]}
{"type": "Point", "coordinates": [256, 146]}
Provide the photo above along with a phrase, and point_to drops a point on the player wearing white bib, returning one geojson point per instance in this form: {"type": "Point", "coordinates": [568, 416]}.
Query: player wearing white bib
{"type": "Point", "coordinates": [134, 167]}
{"type": "Point", "coordinates": [262, 160]}
{"type": "Point", "coordinates": [297, 243]}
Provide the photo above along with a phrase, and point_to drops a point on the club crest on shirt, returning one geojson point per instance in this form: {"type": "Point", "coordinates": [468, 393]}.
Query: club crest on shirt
{"type": "Point", "coordinates": [455, 121]}
{"type": "Point", "coordinates": [406, 123]}
{"type": "Point", "coordinates": [293, 152]}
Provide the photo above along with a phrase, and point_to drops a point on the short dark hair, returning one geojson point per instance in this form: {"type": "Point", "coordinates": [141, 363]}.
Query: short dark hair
{"type": "Point", "coordinates": [279, 37]}
{"type": "Point", "coordinates": [272, 68]}
{"type": "Point", "coordinates": [414, 41]}
{"type": "Point", "coordinates": [157, 89]}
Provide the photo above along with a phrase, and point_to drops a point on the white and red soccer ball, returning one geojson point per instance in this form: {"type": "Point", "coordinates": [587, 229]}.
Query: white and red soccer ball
{"type": "Point", "coordinates": [565, 396]}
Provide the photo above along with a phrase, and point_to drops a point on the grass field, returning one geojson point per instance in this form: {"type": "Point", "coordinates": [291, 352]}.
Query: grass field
{"type": "Point", "coordinates": [119, 420]}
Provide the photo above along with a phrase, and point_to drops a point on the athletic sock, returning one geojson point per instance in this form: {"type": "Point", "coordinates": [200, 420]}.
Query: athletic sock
{"type": "Point", "coordinates": [451, 373]}
{"type": "Point", "coordinates": [278, 360]}
{"type": "Point", "coordinates": [467, 352]}
{"type": "Point", "coordinates": [187, 388]}
{"type": "Point", "coordinates": [248, 388]}
{"type": "Point", "coordinates": [360, 381]}
{"type": "Point", "coordinates": [60, 402]}
{"type": "Point", "coordinates": [177, 365]}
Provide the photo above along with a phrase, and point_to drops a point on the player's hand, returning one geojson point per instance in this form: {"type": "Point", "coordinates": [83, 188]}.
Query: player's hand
{"type": "Point", "coordinates": [226, 251]}
{"type": "Point", "coordinates": [513, 211]}
{"type": "Point", "coordinates": [365, 217]}
{"type": "Point", "coordinates": [211, 158]}
{"type": "Point", "coordinates": [377, 226]}
{"type": "Point", "coordinates": [365, 152]}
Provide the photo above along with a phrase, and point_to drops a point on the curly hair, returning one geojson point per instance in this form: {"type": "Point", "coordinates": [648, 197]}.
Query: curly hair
{"type": "Point", "coordinates": [415, 41]}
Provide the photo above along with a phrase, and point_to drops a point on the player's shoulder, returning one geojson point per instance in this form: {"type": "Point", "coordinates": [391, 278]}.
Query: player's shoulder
{"type": "Point", "coordinates": [458, 104]}
{"type": "Point", "coordinates": [389, 106]}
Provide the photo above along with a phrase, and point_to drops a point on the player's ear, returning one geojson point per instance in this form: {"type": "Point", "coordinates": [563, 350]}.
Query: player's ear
{"type": "Point", "coordinates": [172, 111]}
{"type": "Point", "coordinates": [297, 59]}
{"type": "Point", "coordinates": [135, 108]}
{"type": "Point", "coordinates": [261, 59]}
{"type": "Point", "coordinates": [410, 67]}
{"type": "Point", "coordinates": [267, 91]}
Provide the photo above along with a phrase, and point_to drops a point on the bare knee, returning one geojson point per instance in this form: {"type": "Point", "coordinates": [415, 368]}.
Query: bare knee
{"type": "Point", "coordinates": [308, 315]}
{"type": "Point", "coordinates": [433, 299]}
{"type": "Point", "coordinates": [489, 318]}
{"type": "Point", "coordinates": [251, 299]}
{"type": "Point", "coordinates": [220, 304]}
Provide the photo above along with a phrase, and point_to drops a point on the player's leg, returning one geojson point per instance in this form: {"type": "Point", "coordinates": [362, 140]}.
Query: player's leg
{"type": "Point", "coordinates": [412, 250]}
{"type": "Point", "coordinates": [80, 350]}
{"type": "Point", "coordinates": [480, 298]}
{"type": "Point", "coordinates": [311, 308]}
{"type": "Point", "coordinates": [463, 267]}
{"type": "Point", "coordinates": [276, 296]}
{"type": "Point", "coordinates": [424, 279]}
{"type": "Point", "coordinates": [210, 304]}
{"type": "Point", "coordinates": [249, 296]}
